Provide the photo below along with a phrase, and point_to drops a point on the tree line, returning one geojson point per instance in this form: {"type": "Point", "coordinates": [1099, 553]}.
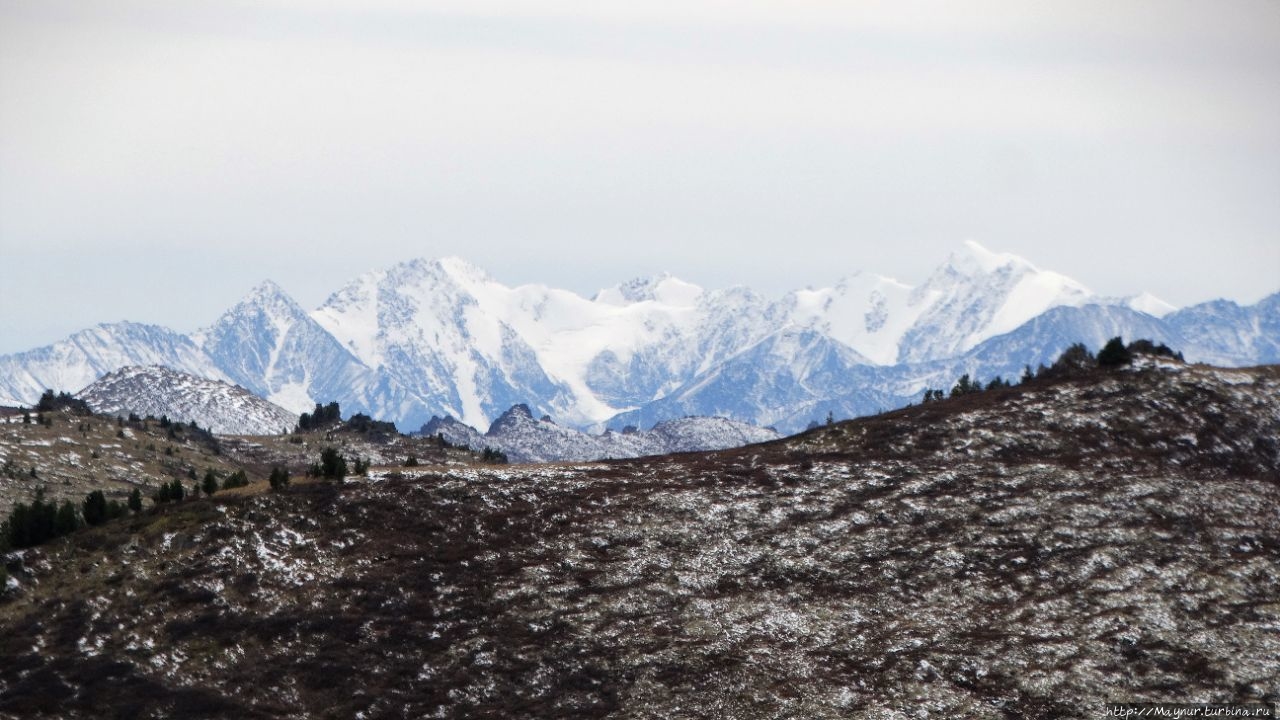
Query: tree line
{"type": "Point", "coordinates": [1074, 360]}
{"type": "Point", "coordinates": [35, 523]}
{"type": "Point", "coordinates": [41, 520]}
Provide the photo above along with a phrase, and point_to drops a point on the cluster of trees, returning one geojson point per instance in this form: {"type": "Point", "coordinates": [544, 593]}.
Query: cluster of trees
{"type": "Point", "coordinates": [169, 492]}
{"type": "Point", "coordinates": [325, 416]}
{"type": "Point", "coordinates": [49, 402]}
{"type": "Point", "coordinates": [1147, 347]}
{"type": "Point", "coordinates": [332, 465]}
{"type": "Point", "coordinates": [210, 484]}
{"type": "Point", "coordinates": [1115, 353]}
{"type": "Point", "coordinates": [365, 425]}
{"type": "Point", "coordinates": [236, 479]}
{"type": "Point", "coordinates": [97, 509]}
{"type": "Point", "coordinates": [1077, 359]}
{"type": "Point", "coordinates": [966, 386]}
{"type": "Point", "coordinates": [40, 521]}
{"type": "Point", "coordinates": [1074, 360]}
{"type": "Point", "coordinates": [322, 416]}
{"type": "Point", "coordinates": [496, 457]}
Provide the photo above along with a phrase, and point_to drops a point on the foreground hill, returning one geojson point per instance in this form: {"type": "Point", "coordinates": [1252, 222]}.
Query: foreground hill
{"type": "Point", "coordinates": [1026, 552]}
{"type": "Point", "coordinates": [67, 455]}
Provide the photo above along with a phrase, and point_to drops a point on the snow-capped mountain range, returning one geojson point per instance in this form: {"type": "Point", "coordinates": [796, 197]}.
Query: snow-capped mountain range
{"type": "Point", "coordinates": [443, 338]}
{"type": "Point", "coordinates": [158, 391]}
{"type": "Point", "coordinates": [525, 439]}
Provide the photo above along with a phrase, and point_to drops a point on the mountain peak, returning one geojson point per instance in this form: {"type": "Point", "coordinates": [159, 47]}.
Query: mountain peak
{"type": "Point", "coordinates": [457, 266]}
{"type": "Point", "coordinates": [268, 296]}
{"type": "Point", "coordinates": [451, 267]}
{"type": "Point", "coordinates": [1150, 304]}
{"type": "Point", "coordinates": [267, 288]}
{"type": "Point", "coordinates": [517, 416]}
{"type": "Point", "coordinates": [663, 288]}
{"type": "Point", "coordinates": [975, 259]}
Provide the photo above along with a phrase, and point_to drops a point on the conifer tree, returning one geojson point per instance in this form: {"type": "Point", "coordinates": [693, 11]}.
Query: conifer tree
{"type": "Point", "coordinates": [210, 482]}
{"type": "Point", "coordinates": [67, 521]}
{"type": "Point", "coordinates": [332, 465]}
{"type": "Point", "coordinates": [1114, 354]}
{"type": "Point", "coordinates": [95, 508]}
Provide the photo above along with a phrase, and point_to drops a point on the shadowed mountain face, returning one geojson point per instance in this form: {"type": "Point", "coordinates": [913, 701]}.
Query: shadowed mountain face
{"type": "Point", "coordinates": [1028, 552]}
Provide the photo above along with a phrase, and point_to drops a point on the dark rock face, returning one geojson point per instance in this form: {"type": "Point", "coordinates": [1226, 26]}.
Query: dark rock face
{"type": "Point", "coordinates": [1029, 552]}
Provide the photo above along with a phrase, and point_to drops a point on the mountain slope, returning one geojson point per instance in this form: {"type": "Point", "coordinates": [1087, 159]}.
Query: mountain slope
{"type": "Point", "coordinates": [784, 381]}
{"type": "Point", "coordinates": [1029, 552]}
{"type": "Point", "coordinates": [977, 295]}
{"type": "Point", "coordinates": [794, 379]}
{"type": "Point", "coordinates": [269, 344]}
{"type": "Point", "coordinates": [422, 327]}
{"type": "Point", "coordinates": [1223, 332]}
{"type": "Point", "coordinates": [161, 392]}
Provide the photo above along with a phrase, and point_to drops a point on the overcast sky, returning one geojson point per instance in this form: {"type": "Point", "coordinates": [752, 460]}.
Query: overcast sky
{"type": "Point", "coordinates": [159, 159]}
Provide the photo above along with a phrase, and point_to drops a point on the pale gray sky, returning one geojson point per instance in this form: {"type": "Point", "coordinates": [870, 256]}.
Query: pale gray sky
{"type": "Point", "coordinates": [158, 159]}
